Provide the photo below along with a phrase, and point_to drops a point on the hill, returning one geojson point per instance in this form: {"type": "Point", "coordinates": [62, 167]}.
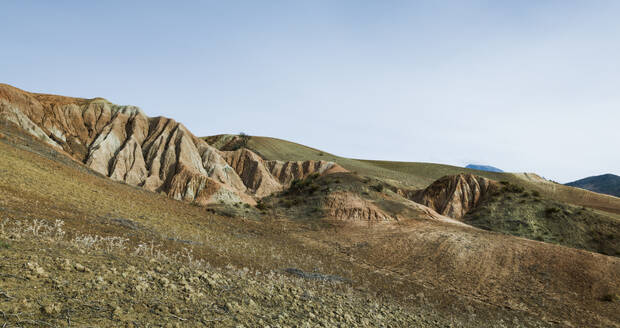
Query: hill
{"type": "Point", "coordinates": [483, 168]}
{"type": "Point", "coordinates": [605, 184]}
{"type": "Point", "coordinates": [415, 175]}
{"type": "Point", "coordinates": [325, 239]}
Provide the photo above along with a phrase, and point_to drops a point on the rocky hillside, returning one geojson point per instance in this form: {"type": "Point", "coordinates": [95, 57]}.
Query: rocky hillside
{"type": "Point", "coordinates": [263, 178]}
{"type": "Point", "coordinates": [354, 238]}
{"type": "Point", "coordinates": [605, 184]}
{"type": "Point", "coordinates": [455, 196]}
{"type": "Point", "coordinates": [346, 199]}
{"type": "Point", "coordinates": [156, 153]}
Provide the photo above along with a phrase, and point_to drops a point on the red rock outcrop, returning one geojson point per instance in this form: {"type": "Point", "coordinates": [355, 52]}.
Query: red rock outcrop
{"type": "Point", "coordinates": [253, 172]}
{"type": "Point", "coordinates": [265, 177]}
{"type": "Point", "coordinates": [156, 153]}
{"type": "Point", "coordinates": [454, 196]}
{"type": "Point", "coordinates": [350, 207]}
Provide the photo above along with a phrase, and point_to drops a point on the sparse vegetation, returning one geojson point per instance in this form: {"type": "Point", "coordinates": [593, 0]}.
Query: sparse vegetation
{"type": "Point", "coordinates": [550, 211]}
{"type": "Point", "coordinates": [261, 205]}
{"type": "Point", "coordinates": [392, 271]}
{"type": "Point", "coordinates": [244, 139]}
{"type": "Point", "coordinates": [546, 220]}
{"type": "Point", "coordinates": [307, 185]}
{"type": "Point", "coordinates": [611, 297]}
{"type": "Point", "coordinates": [73, 282]}
{"type": "Point", "coordinates": [512, 188]}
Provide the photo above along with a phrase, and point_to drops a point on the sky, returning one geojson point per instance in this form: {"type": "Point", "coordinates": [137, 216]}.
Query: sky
{"type": "Point", "coordinates": [526, 86]}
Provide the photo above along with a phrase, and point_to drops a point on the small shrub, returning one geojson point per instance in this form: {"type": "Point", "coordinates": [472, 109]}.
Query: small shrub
{"type": "Point", "coordinates": [610, 297]}
{"type": "Point", "coordinates": [306, 184]}
{"type": "Point", "coordinates": [261, 205]}
{"type": "Point", "coordinates": [550, 211]}
{"type": "Point", "coordinates": [287, 203]}
{"type": "Point", "coordinates": [312, 188]}
{"type": "Point", "coordinates": [244, 139]}
{"type": "Point", "coordinates": [513, 189]}
{"type": "Point", "coordinates": [505, 183]}
{"type": "Point", "coordinates": [535, 193]}
{"type": "Point", "coordinates": [4, 245]}
{"type": "Point", "coordinates": [378, 188]}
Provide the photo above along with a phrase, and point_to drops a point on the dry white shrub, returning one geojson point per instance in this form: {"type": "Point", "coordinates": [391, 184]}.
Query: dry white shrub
{"type": "Point", "coordinates": [94, 242]}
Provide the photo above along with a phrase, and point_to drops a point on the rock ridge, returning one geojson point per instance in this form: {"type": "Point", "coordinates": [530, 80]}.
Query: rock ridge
{"type": "Point", "coordinates": [156, 153]}
{"type": "Point", "coordinates": [456, 195]}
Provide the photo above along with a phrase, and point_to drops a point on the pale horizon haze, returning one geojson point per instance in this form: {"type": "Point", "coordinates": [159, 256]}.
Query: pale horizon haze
{"type": "Point", "coordinates": [525, 86]}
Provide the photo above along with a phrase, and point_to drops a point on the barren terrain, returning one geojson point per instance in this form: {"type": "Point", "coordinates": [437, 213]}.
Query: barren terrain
{"type": "Point", "coordinates": [258, 231]}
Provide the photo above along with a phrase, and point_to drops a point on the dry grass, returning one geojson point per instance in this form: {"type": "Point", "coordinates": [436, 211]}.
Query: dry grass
{"type": "Point", "coordinates": [433, 266]}
{"type": "Point", "coordinates": [420, 175]}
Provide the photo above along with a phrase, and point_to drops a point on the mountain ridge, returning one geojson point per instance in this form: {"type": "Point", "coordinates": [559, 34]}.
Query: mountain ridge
{"type": "Point", "coordinates": [488, 168]}
{"type": "Point", "coordinates": [605, 184]}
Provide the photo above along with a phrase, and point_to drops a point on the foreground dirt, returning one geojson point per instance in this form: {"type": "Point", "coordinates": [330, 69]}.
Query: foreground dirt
{"type": "Point", "coordinates": [49, 282]}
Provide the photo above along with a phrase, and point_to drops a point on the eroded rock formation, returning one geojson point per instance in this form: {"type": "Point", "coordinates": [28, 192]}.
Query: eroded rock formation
{"type": "Point", "coordinates": [351, 207]}
{"type": "Point", "coordinates": [454, 196]}
{"type": "Point", "coordinates": [156, 153]}
{"type": "Point", "coordinates": [265, 177]}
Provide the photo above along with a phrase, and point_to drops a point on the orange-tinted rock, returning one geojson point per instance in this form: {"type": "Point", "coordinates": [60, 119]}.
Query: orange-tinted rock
{"type": "Point", "coordinates": [454, 196]}
{"type": "Point", "coordinates": [158, 153]}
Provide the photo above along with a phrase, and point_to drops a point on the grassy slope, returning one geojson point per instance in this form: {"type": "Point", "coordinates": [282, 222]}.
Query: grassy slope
{"type": "Point", "coordinates": [38, 183]}
{"type": "Point", "coordinates": [519, 213]}
{"type": "Point", "coordinates": [59, 282]}
{"type": "Point", "coordinates": [415, 175]}
{"type": "Point", "coordinates": [427, 265]}
{"type": "Point", "coordinates": [419, 175]}
{"type": "Point", "coordinates": [35, 185]}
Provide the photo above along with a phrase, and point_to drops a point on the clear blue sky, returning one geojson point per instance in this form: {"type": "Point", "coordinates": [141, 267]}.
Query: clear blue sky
{"type": "Point", "coordinates": [521, 85]}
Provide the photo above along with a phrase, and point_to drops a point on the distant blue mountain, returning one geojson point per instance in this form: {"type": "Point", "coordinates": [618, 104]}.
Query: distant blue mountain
{"type": "Point", "coordinates": [483, 168]}
{"type": "Point", "coordinates": [604, 184]}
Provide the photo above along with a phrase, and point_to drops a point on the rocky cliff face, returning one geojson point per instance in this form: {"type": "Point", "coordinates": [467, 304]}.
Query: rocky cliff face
{"type": "Point", "coordinates": [156, 153]}
{"type": "Point", "coordinates": [265, 177]}
{"type": "Point", "coordinates": [454, 196]}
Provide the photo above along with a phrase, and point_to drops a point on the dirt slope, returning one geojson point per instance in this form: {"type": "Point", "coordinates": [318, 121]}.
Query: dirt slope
{"type": "Point", "coordinates": [346, 199]}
